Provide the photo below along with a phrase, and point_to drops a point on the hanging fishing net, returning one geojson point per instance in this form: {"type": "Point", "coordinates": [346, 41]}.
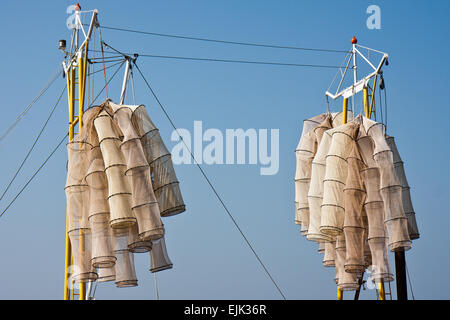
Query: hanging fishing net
{"type": "Point", "coordinates": [358, 205]}
{"type": "Point", "coordinates": [143, 201]}
{"type": "Point", "coordinates": [124, 267]}
{"type": "Point", "coordinates": [77, 194]}
{"type": "Point", "coordinates": [315, 192]}
{"type": "Point", "coordinates": [354, 197]}
{"type": "Point", "coordinates": [406, 196]}
{"type": "Point", "coordinates": [346, 281]}
{"type": "Point", "coordinates": [321, 248]}
{"type": "Point", "coordinates": [304, 152]}
{"type": "Point", "coordinates": [391, 191]}
{"type": "Point", "coordinates": [102, 254]}
{"type": "Point", "coordinates": [165, 182]}
{"type": "Point", "coordinates": [106, 274]}
{"type": "Point", "coordinates": [159, 259]}
{"type": "Point", "coordinates": [120, 181]}
{"type": "Point", "coordinates": [329, 256]}
{"type": "Point", "coordinates": [332, 208]}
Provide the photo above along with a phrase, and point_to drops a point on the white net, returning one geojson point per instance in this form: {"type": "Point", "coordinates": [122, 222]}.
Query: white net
{"type": "Point", "coordinates": [120, 182]}
{"type": "Point", "coordinates": [406, 196]}
{"type": "Point", "coordinates": [358, 203]}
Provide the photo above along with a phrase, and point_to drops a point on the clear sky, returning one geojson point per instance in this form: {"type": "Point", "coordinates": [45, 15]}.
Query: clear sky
{"type": "Point", "coordinates": [211, 261]}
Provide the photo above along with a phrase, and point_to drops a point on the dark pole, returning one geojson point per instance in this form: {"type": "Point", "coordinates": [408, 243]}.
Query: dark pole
{"type": "Point", "coordinates": [400, 274]}
{"type": "Point", "coordinates": [360, 283]}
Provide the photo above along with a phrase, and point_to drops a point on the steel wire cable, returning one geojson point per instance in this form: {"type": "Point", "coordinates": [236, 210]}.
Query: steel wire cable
{"type": "Point", "coordinates": [33, 145]}
{"type": "Point", "coordinates": [212, 186]}
{"type": "Point", "coordinates": [34, 175]}
{"type": "Point", "coordinates": [30, 105]}
{"type": "Point", "coordinates": [274, 63]}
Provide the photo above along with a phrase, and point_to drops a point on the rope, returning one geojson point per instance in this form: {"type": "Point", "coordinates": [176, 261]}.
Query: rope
{"type": "Point", "coordinates": [33, 145]}
{"type": "Point", "coordinates": [385, 105]}
{"type": "Point", "coordinates": [156, 286]}
{"type": "Point", "coordinates": [237, 61]}
{"type": "Point", "coordinates": [224, 41]}
{"type": "Point", "coordinates": [103, 59]}
{"type": "Point", "coordinates": [54, 150]}
{"type": "Point", "coordinates": [337, 72]}
{"type": "Point", "coordinates": [36, 98]}
{"type": "Point", "coordinates": [211, 185]}
{"type": "Point", "coordinates": [34, 175]}
{"type": "Point", "coordinates": [409, 281]}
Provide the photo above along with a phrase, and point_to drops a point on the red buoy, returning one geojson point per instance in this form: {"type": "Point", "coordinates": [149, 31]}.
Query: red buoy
{"type": "Point", "coordinates": [354, 40]}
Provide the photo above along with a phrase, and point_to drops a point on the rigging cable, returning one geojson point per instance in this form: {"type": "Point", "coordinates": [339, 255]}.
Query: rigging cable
{"type": "Point", "coordinates": [156, 286]}
{"type": "Point", "coordinates": [33, 145]}
{"type": "Point", "coordinates": [34, 174]}
{"type": "Point", "coordinates": [106, 83]}
{"type": "Point", "coordinates": [224, 41]}
{"type": "Point", "coordinates": [241, 61]}
{"type": "Point", "coordinates": [385, 105]}
{"type": "Point", "coordinates": [36, 98]}
{"type": "Point", "coordinates": [211, 185]}
{"type": "Point", "coordinates": [381, 106]}
{"type": "Point", "coordinates": [103, 58]}
{"type": "Point", "coordinates": [51, 154]}
{"type": "Point", "coordinates": [238, 61]}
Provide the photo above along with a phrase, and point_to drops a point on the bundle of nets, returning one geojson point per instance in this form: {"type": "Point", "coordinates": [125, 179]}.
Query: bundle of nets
{"type": "Point", "coordinates": [120, 182]}
{"type": "Point", "coordinates": [352, 196]}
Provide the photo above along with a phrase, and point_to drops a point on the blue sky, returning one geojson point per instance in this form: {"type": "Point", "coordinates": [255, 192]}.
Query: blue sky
{"type": "Point", "coordinates": [211, 261]}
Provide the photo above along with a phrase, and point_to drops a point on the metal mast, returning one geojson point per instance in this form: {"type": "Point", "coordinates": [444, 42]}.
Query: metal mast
{"type": "Point", "coordinates": [75, 66]}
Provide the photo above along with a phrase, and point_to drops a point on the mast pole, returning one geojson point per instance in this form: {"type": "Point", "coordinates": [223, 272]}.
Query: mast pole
{"type": "Point", "coordinates": [400, 275]}
{"type": "Point", "coordinates": [78, 59]}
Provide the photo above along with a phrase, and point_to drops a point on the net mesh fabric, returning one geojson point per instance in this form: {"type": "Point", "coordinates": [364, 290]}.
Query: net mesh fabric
{"type": "Point", "coordinates": [112, 204]}
{"type": "Point", "coordinates": [119, 191]}
{"type": "Point", "coordinates": [305, 157]}
{"type": "Point", "coordinates": [374, 211]}
{"type": "Point", "coordinates": [124, 267]}
{"type": "Point", "coordinates": [333, 206]}
{"type": "Point", "coordinates": [102, 254]}
{"type": "Point", "coordinates": [315, 192]}
{"type": "Point", "coordinates": [143, 201]}
{"type": "Point", "coordinates": [165, 182]}
{"type": "Point", "coordinates": [395, 219]}
{"type": "Point", "coordinates": [106, 274]}
{"type": "Point", "coordinates": [304, 152]}
{"type": "Point", "coordinates": [354, 197]}
{"type": "Point", "coordinates": [329, 256]}
{"type": "Point", "coordinates": [406, 196]}
{"type": "Point", "coordinates": [346, 281]}
{"type": "Point", "coordinates": [321, 248]}
{"type": "Point", "coordinates": [159, 259]}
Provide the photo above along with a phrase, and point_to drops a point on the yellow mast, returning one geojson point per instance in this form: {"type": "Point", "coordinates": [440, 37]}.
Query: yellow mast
{"type": "Point", "coordinates": [77, 62]}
